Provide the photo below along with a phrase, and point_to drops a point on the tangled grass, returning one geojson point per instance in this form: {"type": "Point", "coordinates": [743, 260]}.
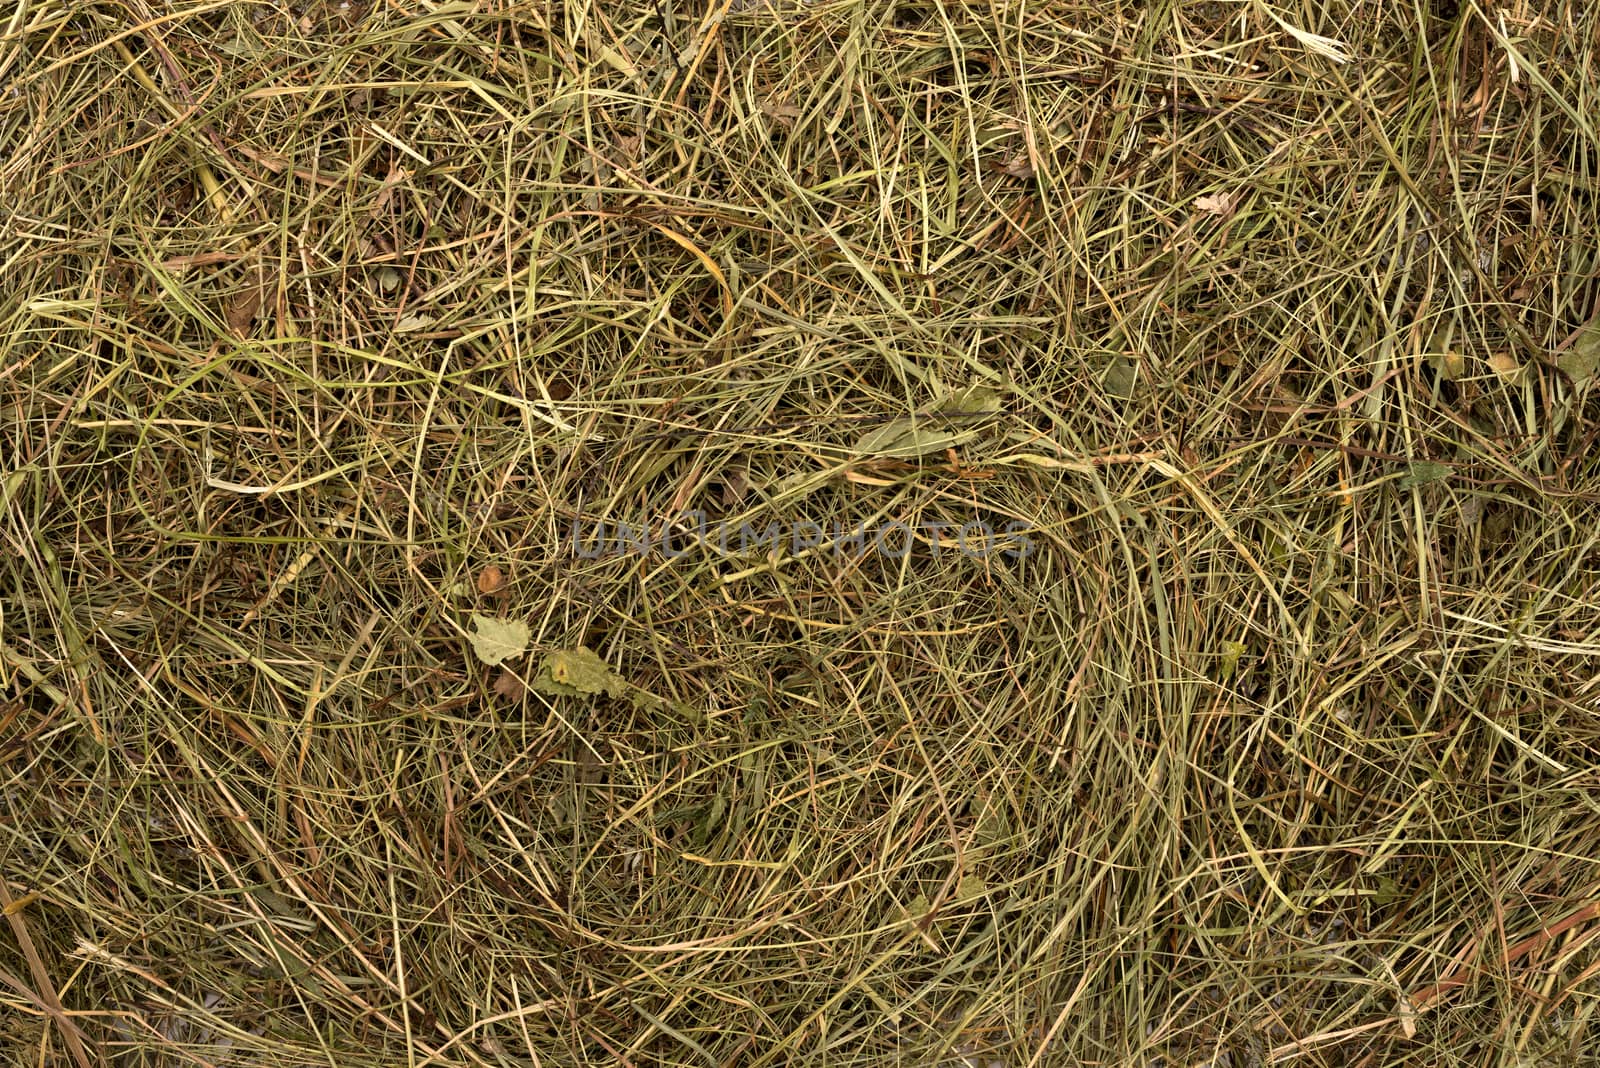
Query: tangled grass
{"type": "Point", "coordinates": [323, 328]}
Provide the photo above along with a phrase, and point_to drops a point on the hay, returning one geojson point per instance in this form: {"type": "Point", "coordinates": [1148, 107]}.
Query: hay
{"type": "Point", "coordinates": [1250, 348]}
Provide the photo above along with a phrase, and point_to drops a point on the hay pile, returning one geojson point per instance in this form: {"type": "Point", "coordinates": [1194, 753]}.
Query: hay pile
{"type": "Point", "coordinates": [1229, 368]}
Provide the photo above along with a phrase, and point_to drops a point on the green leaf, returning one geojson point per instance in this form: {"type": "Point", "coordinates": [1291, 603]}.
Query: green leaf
{"type": "Point", "coordinates": [498, 640]}
{"type": "Point", "coordinates": [1424, 472]}
{"type": "Point", "coordinates": [13, 483]}
{"type": "Point", "coordinates": [1388, 891]}
{"type": "Point", "coordinates": [579, 672]}
{"type": "Point", "coordinates": [1231, 652]}
{"type": "Point", "coordinates": [1582, 357]}
{"type": "Point", "coordinates": [1120, 379]}
{"type": "Point", "coordinates": [941, 425]}
{"type": "Point", "coordinates": [993, 826]}
{"type": "Point", "coordinates": [918, 908]}
{"type": "Point", "coordinates": [1450, 364]}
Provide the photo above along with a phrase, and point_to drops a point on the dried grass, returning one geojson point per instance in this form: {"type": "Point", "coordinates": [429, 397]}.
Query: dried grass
{"type": "Point", "coordinates": [321, 326]}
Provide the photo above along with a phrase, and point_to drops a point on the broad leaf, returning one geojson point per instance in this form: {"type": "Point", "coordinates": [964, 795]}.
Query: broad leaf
{"type": "Point", "coordinates": [1424, 472]}
{"type": "Point", "coordinates": [579, 672]}
{"type": "Point", "coordinates": [498, 640]}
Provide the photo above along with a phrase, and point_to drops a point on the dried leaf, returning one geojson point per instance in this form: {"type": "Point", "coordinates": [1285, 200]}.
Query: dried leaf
{"type": "Point", "coordinates": [1018, 166]}
{"type": "Point", "coordinates": [498, 640]}
{"type": "Point", "coordinates": [941, 425]}
{"type": "Point", "coordinates": [491, 580]}
{"type": "Point", "coordinates": [1507, 367]}
{"type": "Point", "coordinates": [735, 486]}
{"type": "Point", "coordinates": [618, 62]}
{"type": "Point", "coordinates": [1451, 365]}
{"type": "Point", "coordinates": [1406, 1013]}
{"type": "Point", "coordinates": [396, 175]}
{"type": "Point", "coordinates": [242, 311]}
{"type": "Point", "coordinates": [507, 685]}
{"type": "Point", "coordinates": [246, 304]}
{"type": "Point", "coordinates": [784, 113]}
